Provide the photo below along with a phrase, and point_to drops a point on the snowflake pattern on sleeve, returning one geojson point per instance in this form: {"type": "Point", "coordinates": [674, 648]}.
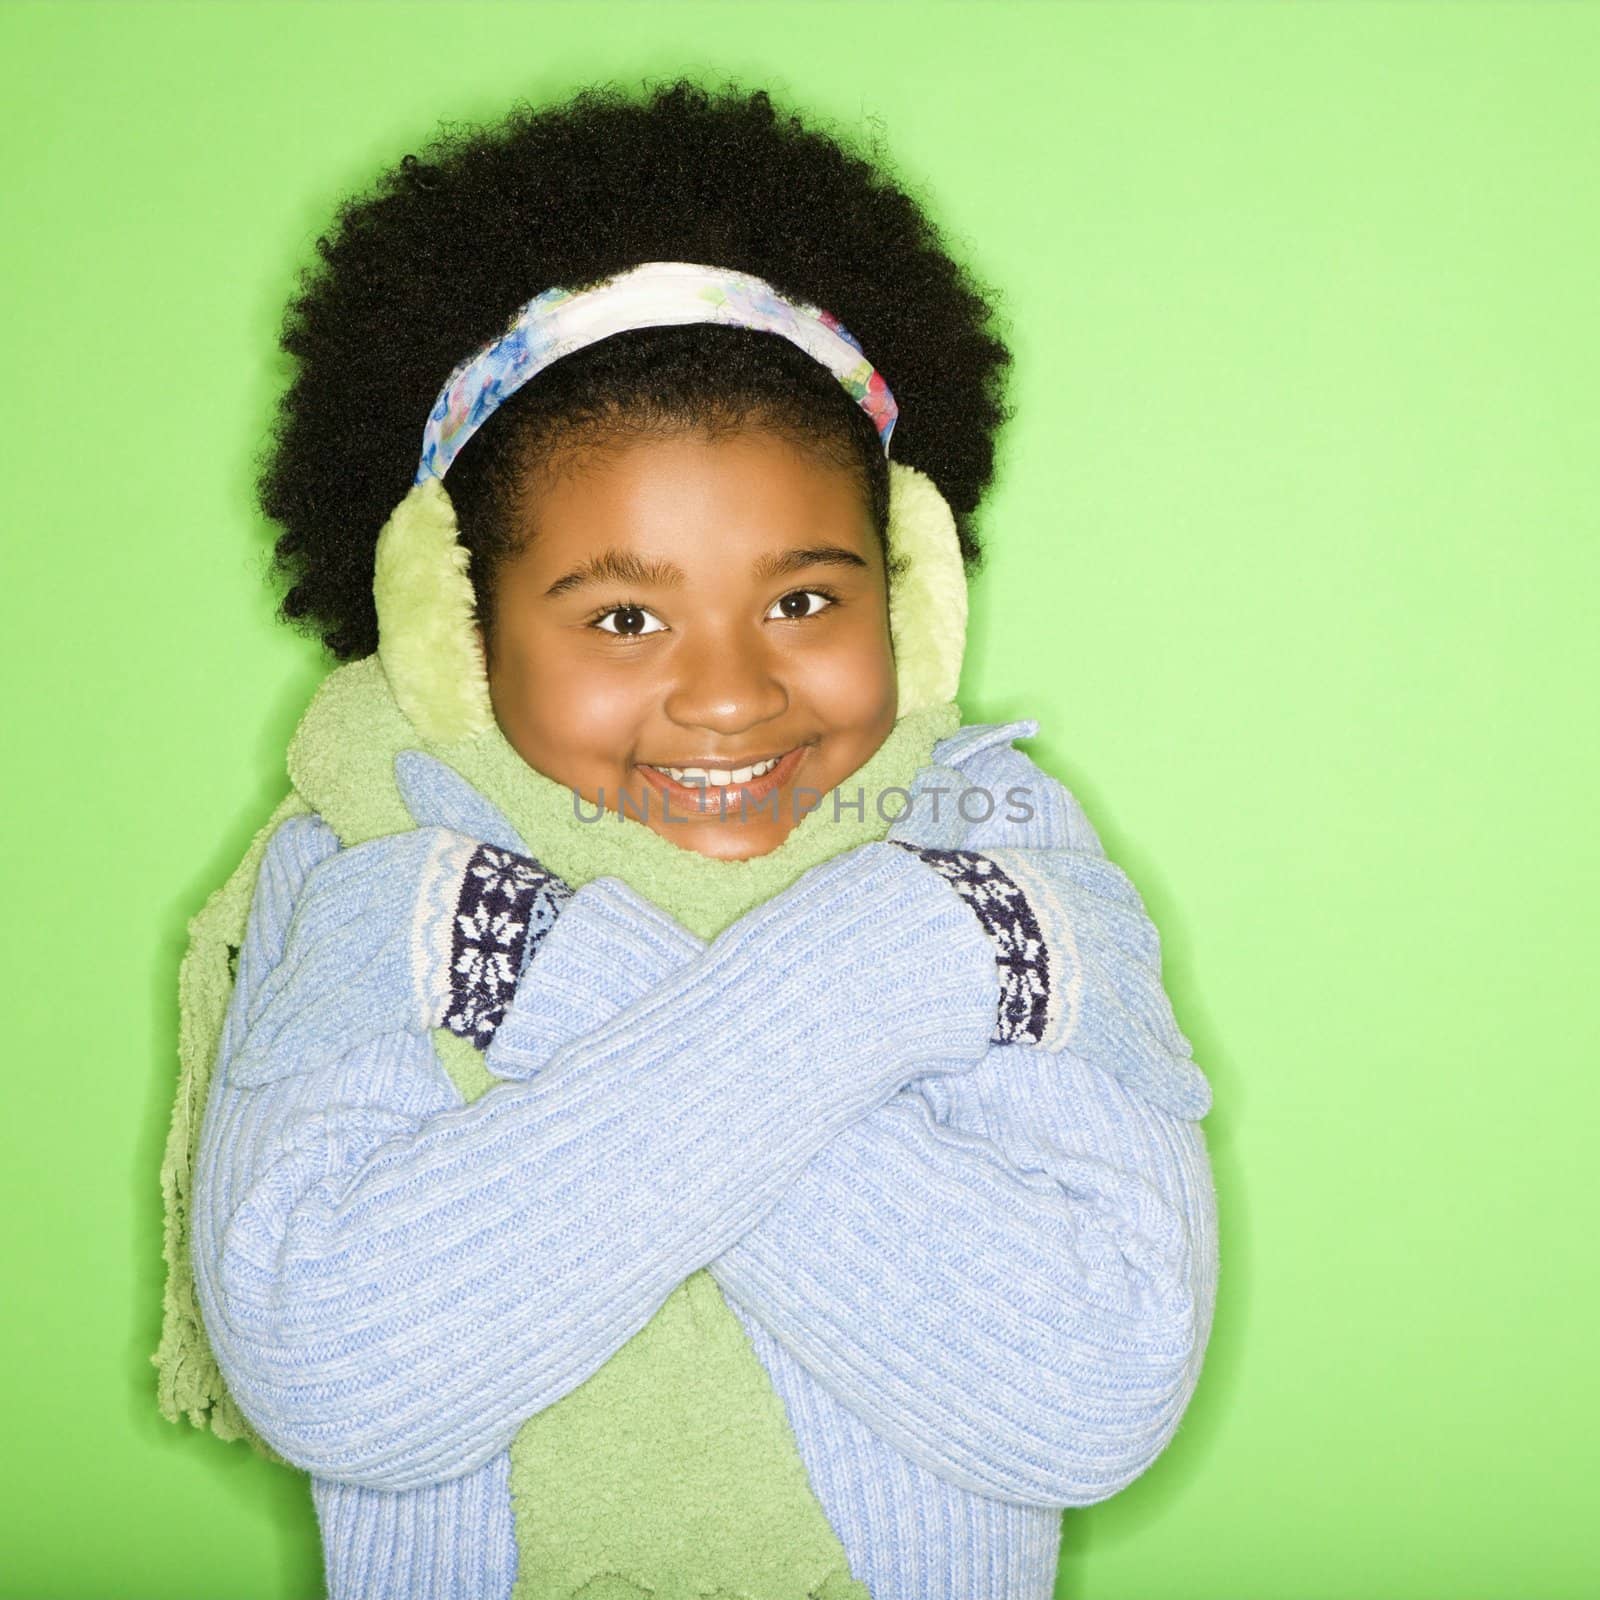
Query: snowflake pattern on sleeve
{"type": "Point", "coordinates": [1030, 999]}
{"type": "Point", "coordinates": [507, 904]}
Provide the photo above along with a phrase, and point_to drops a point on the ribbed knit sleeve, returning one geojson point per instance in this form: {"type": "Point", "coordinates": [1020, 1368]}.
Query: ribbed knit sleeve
{"type": "Point", "coordinates": [1010, 1274]}
{"type": "Point", "coordinates": [393, 1282]}
{"type": "Point", "coordinates": [1021, 1311]}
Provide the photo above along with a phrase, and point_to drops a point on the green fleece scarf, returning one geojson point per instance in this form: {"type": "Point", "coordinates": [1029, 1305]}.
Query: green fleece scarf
{"type": "Point", "coordinates": [672, 1471]}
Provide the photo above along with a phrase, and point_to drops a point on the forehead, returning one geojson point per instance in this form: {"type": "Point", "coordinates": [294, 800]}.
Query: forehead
{"type": "Point", "coordinates": [697, 496]}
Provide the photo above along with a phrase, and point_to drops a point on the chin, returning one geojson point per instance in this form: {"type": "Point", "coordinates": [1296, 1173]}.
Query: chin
{"type": "Point", "coordinates": [729, 841]}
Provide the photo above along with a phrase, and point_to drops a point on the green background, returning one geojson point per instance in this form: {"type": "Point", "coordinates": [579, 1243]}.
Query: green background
{"type": "Point", "coordinates": [1293, 556]}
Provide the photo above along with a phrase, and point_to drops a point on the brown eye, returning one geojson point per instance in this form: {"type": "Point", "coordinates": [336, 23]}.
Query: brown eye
{"type": "Point", "coordinates": [795, 606]}
{"type": "Point", "coordinates": [631, 622]}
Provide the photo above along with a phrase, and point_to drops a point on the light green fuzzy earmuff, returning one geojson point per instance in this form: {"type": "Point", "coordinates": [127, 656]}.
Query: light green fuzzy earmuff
{"type": "Point", "coordinates": [429, 645]}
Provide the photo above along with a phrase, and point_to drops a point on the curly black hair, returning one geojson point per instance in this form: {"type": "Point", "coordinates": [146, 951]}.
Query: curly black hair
{"type": "Point", "coordinates": [438, 257]}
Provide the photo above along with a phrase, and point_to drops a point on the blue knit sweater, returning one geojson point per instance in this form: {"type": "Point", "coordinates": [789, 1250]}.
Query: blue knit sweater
{"type": "Point", "coordinates": [982, 1293]}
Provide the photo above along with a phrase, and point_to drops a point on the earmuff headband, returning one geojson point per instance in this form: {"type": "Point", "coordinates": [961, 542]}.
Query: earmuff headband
{"type": "Point", "coordinates": [657, 294]}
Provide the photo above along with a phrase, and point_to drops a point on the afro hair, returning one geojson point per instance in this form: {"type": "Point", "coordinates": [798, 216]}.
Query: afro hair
{"type": "Point", "coordinates": [439, 256]}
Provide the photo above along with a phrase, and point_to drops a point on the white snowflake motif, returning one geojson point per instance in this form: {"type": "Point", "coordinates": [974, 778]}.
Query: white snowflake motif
{"type": "Point", "coordinates": [482, 970]}
{"type": "Point", "coordinates": [487, 940]}
{"type": "Point", "coordinates": [1017, 946]}
{"type": "Point", "coordinates": [506, 904]}
{"type": "Point", "coordinates": [475, 1017]}
{"type": "Point", "coordinates": [485, 927]}
{"type": "Point", "coordinates": [502, 873]}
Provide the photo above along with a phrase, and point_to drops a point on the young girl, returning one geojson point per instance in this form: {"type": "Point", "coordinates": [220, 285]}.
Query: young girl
{"type": "Point", "coordinates": [670, 1111]}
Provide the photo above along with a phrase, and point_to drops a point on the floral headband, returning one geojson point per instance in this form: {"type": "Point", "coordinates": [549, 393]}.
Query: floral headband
{"type": "Point", "coordinates": [656, 295]}
{"type": "Point", "coordinates": [428, 637]}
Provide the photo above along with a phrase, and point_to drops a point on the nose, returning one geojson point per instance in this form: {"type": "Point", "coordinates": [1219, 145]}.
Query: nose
{"type": "Point", "coordinates": [727, 682]}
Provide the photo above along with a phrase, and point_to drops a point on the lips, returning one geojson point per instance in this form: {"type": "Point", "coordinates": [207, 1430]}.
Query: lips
{"type": "Point", "coordinates": [723, 773]}
{"type": "Point", "coordinates": [710, 798]}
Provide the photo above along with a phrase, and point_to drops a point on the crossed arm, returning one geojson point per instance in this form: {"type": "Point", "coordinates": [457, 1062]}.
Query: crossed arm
{"type": "Point", "coordinates": [1008, 1273]}
{"type": "Point", "coordinates": [1000, 1257]}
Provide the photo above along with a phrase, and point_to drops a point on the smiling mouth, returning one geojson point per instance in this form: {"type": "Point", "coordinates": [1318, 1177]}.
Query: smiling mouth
{"type": "Point", "coordinates": [712, 788]}
{"type": "Point", "coordinates": [719, 774]}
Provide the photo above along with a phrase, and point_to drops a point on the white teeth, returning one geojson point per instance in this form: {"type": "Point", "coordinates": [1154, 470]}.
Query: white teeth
{"type": "Point", "coordinates": [721, 777]}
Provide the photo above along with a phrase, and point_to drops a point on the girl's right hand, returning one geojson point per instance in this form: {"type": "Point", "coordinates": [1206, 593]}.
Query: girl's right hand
{"type": "Point", "coordinates": [423, 929]}
{"type": "Point", "coordinates": [416, 930]}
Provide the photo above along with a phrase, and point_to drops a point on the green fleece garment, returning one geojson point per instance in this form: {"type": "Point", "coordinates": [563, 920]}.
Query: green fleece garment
{"type": "Point", "coordinates": [672, 1471]}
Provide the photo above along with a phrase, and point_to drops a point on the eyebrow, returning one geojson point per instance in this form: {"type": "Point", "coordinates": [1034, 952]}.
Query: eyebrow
{"type": "Point", "coordinates": [625, 568]}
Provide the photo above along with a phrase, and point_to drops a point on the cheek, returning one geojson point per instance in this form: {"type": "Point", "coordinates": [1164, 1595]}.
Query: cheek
{"type": "Point", "coordinates": [564, 714]}
{"type": "Point", "coordinates": [854, 687]}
